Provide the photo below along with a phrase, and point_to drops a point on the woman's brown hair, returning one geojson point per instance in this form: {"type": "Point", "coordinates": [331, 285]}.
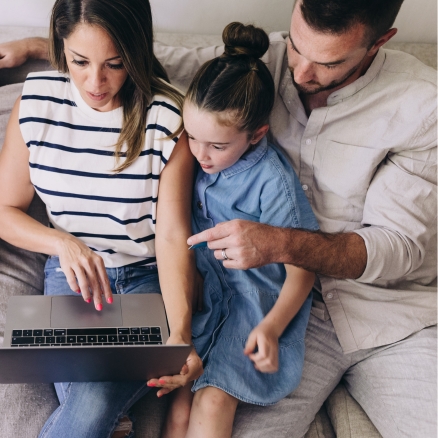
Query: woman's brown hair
{"type": "Point", "coordinates": [129, 25]}
{"type": "Point", "coordinates": [237, 84]}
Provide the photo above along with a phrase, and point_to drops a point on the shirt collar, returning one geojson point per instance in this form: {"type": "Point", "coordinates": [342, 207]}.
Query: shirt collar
{"type": "Point", "coordinates": [290, 95]}
{"type": "Point", "coordinates": [248, 159]}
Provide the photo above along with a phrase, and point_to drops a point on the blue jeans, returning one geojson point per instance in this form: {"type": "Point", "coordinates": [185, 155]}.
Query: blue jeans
{"type": "Point", "coordinates": [93, 409]}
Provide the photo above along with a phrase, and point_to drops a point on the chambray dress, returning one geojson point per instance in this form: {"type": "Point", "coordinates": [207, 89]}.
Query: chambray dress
{"type": "Point", "coordinates": [261, 187]}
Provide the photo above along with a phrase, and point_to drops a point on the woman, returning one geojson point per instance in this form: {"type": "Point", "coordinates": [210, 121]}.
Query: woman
{"type": "Point", "coordinates": [101, 143]}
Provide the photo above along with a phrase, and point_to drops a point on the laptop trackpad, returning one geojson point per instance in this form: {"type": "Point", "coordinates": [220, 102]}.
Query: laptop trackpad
{"type": "Point", "coordinates": [74, 312]}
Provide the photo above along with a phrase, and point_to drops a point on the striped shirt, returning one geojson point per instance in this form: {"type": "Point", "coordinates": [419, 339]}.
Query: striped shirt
{"type": "Point", "coordinates": [71, 164]}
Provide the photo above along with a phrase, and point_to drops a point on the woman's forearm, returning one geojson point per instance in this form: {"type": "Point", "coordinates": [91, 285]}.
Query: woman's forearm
{"type": "Point", "coordinates": [176, 268]}
{"type": "Point", "coordinates": [19, 229]}
{"type": "Point", "coordinates": [176, 264]}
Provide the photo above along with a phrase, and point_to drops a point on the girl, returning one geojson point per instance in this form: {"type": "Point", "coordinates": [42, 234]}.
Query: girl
{"type": "Point", "coordinates": [250, 333]}
{"type": "Point", "coordinates": [101, 143]}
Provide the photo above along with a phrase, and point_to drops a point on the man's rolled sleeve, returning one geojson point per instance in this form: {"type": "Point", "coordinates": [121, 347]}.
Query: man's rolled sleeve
{"type": "Point", "coordinates": [400, 212]}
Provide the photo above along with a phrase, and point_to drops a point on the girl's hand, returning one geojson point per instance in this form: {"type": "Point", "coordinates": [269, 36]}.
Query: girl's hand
{"type": "Point", "coordinates": [264, 338]}
{"type": "Point", "coordinates": [190, 371]}
{"type": "Point", "coordinates": [84, 270]}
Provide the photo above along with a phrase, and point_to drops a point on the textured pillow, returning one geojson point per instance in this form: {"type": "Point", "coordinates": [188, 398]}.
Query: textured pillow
{"type": "Point", "coordinates": [23, 408]}
{"type": "Point", "coordinates": [21, 272]}
{"type": "Point", "coordinates": [8, 96]}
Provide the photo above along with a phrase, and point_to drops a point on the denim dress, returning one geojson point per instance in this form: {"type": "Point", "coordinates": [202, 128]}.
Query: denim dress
{"type": "Point", "coordinates": [260, 187]}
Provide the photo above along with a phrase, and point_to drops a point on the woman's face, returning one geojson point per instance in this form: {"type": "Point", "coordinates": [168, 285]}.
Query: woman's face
{"type": "Point", "coordinates": [95, 66]}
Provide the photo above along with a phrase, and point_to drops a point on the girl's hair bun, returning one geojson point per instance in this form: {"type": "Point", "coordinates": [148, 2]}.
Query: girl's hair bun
{"type": "Point", "coordinates": [245, 40]}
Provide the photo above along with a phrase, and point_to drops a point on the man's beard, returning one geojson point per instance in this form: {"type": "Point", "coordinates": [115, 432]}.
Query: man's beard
{"type": "Point", "coordinates": [334, 84]}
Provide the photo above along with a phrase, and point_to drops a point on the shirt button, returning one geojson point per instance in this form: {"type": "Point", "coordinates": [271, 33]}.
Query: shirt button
{"type": "Point", "coordinates": [329, 295]}
{"type": "Point", "coordinates": [308, 141]}
{"type": "Point", "coordinates": [199, 204]}
{"type": "Point", "coordinates": [305, 187]}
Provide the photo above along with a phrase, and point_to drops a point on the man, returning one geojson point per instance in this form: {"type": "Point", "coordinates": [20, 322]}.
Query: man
{"type": "Point", "coordinates": [359, 125]}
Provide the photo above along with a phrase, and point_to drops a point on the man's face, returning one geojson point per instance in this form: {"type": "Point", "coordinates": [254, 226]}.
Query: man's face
{"type": "Point", "coordinates": [322, 61]}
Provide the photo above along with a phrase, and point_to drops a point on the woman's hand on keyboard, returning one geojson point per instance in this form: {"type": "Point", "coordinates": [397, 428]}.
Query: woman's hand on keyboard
{"type": "Point", "coordinates": [84, 270]}
{"type": "Point", "coordinates": [190, 371]}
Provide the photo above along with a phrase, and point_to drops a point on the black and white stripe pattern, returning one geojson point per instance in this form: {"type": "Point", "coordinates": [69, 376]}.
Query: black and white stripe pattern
{"type": "Point", "coordinates": [71, 165]}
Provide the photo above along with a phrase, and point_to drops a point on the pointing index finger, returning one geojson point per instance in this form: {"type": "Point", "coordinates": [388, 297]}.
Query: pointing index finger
{"type": "Point", "coordinates": [218, 232]}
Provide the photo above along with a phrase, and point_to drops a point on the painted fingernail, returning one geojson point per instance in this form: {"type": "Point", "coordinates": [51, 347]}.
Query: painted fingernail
{"type": "Point", "coordinates": [78, 291]}
{"type": "Point", "coordinates": [151, 384]}
{"type": "Point", "coordinates": [88, 300]}
{"type": "Point", "coordinates": [99, 307]}
{"type": "Point", "coordinates": [162, 381]}
{"type": "Point", "coordinates": [109, 300]}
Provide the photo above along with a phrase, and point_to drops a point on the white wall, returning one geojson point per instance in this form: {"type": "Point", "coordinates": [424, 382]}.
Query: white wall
{"type": "Point", "coordinates": [417, 21]}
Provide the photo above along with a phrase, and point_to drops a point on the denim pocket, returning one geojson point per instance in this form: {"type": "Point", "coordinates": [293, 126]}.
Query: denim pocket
{"type": "Point", "coordinates": [55, 281]}
{"type": "Point", "coordinates": [140, 279]}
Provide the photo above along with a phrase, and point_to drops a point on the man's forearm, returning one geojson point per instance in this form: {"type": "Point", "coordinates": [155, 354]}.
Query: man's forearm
{"type": "Point", "coordinates": [16, 53]}
{"type": "Point", "coordinates": [37, 48]}
{"type": "Point", "coordinates": [342, 255]}
{"type": "Point", "coordinates": [249, 244]}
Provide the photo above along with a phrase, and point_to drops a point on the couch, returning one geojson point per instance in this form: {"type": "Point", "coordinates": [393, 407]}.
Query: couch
{"type": "Point", "coordinates": [24, 408]}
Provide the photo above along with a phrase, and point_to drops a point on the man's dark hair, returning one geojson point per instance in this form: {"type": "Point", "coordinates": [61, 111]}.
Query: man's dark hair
{"type": "Point", "coordinates": [338, 16]}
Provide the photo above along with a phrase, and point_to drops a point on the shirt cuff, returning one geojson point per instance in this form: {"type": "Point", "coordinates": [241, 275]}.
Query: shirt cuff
{"type": "Point", "coordinates": [389, 256]}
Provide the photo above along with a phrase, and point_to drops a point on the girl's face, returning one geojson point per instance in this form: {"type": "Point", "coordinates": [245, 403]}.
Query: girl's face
{"type": "Point", "coordinates": [216, 146]}
{"type": "Point", "coordinates": [95, 66]}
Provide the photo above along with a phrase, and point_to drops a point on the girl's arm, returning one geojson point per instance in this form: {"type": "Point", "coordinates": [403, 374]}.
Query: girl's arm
{"type": "Point", "coordinates": [79, 263]}
{"type": "Point", "coordinates": [176, 264]}
{"type": "Point", "coordinates": [265, 336]}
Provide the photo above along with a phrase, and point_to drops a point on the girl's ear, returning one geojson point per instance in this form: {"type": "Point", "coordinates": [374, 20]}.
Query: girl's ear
{"type": "Point", "coordinates": [259, 134]}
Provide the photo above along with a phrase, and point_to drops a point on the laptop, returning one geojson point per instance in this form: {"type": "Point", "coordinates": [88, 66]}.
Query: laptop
{"type": "Point", "coordinates": [64, 339]}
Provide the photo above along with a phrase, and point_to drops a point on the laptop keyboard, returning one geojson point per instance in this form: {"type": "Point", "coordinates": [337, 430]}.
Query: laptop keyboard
{"type": "Point", "coordinates": [86, 336]}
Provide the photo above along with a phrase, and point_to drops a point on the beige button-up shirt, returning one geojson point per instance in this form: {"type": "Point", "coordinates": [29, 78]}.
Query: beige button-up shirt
{"type": "Point", "coordinates": [367, 163]}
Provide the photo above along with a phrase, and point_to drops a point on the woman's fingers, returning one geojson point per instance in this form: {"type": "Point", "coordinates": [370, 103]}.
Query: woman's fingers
{"type": "Point", "coordinates": [83, 284]}
{"type": "Point", "coordinates": [71, 280]}
{"type": "Point", "coordinates": [85, 271]}
{"type": "Point", "coordinates": [95, 289]}
{"type": "Point", "coordinates": [99, 283]}
{"type": "Point", "coordinates": [190, 371]}
{"type": "Point", "coordinates": [104, 282]}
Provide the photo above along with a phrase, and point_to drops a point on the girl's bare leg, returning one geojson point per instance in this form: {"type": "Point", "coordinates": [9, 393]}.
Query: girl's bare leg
{"type": "Point", "coordinates": [177, 420]}
{"type": "Point", "coordinates": [212, 414]}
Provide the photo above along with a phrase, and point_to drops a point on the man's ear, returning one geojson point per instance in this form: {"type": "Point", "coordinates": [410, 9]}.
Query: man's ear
{"type": "Point", "coordinates": [259, 134]}
{"type": "Point", "coordinates": [382, 40]}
